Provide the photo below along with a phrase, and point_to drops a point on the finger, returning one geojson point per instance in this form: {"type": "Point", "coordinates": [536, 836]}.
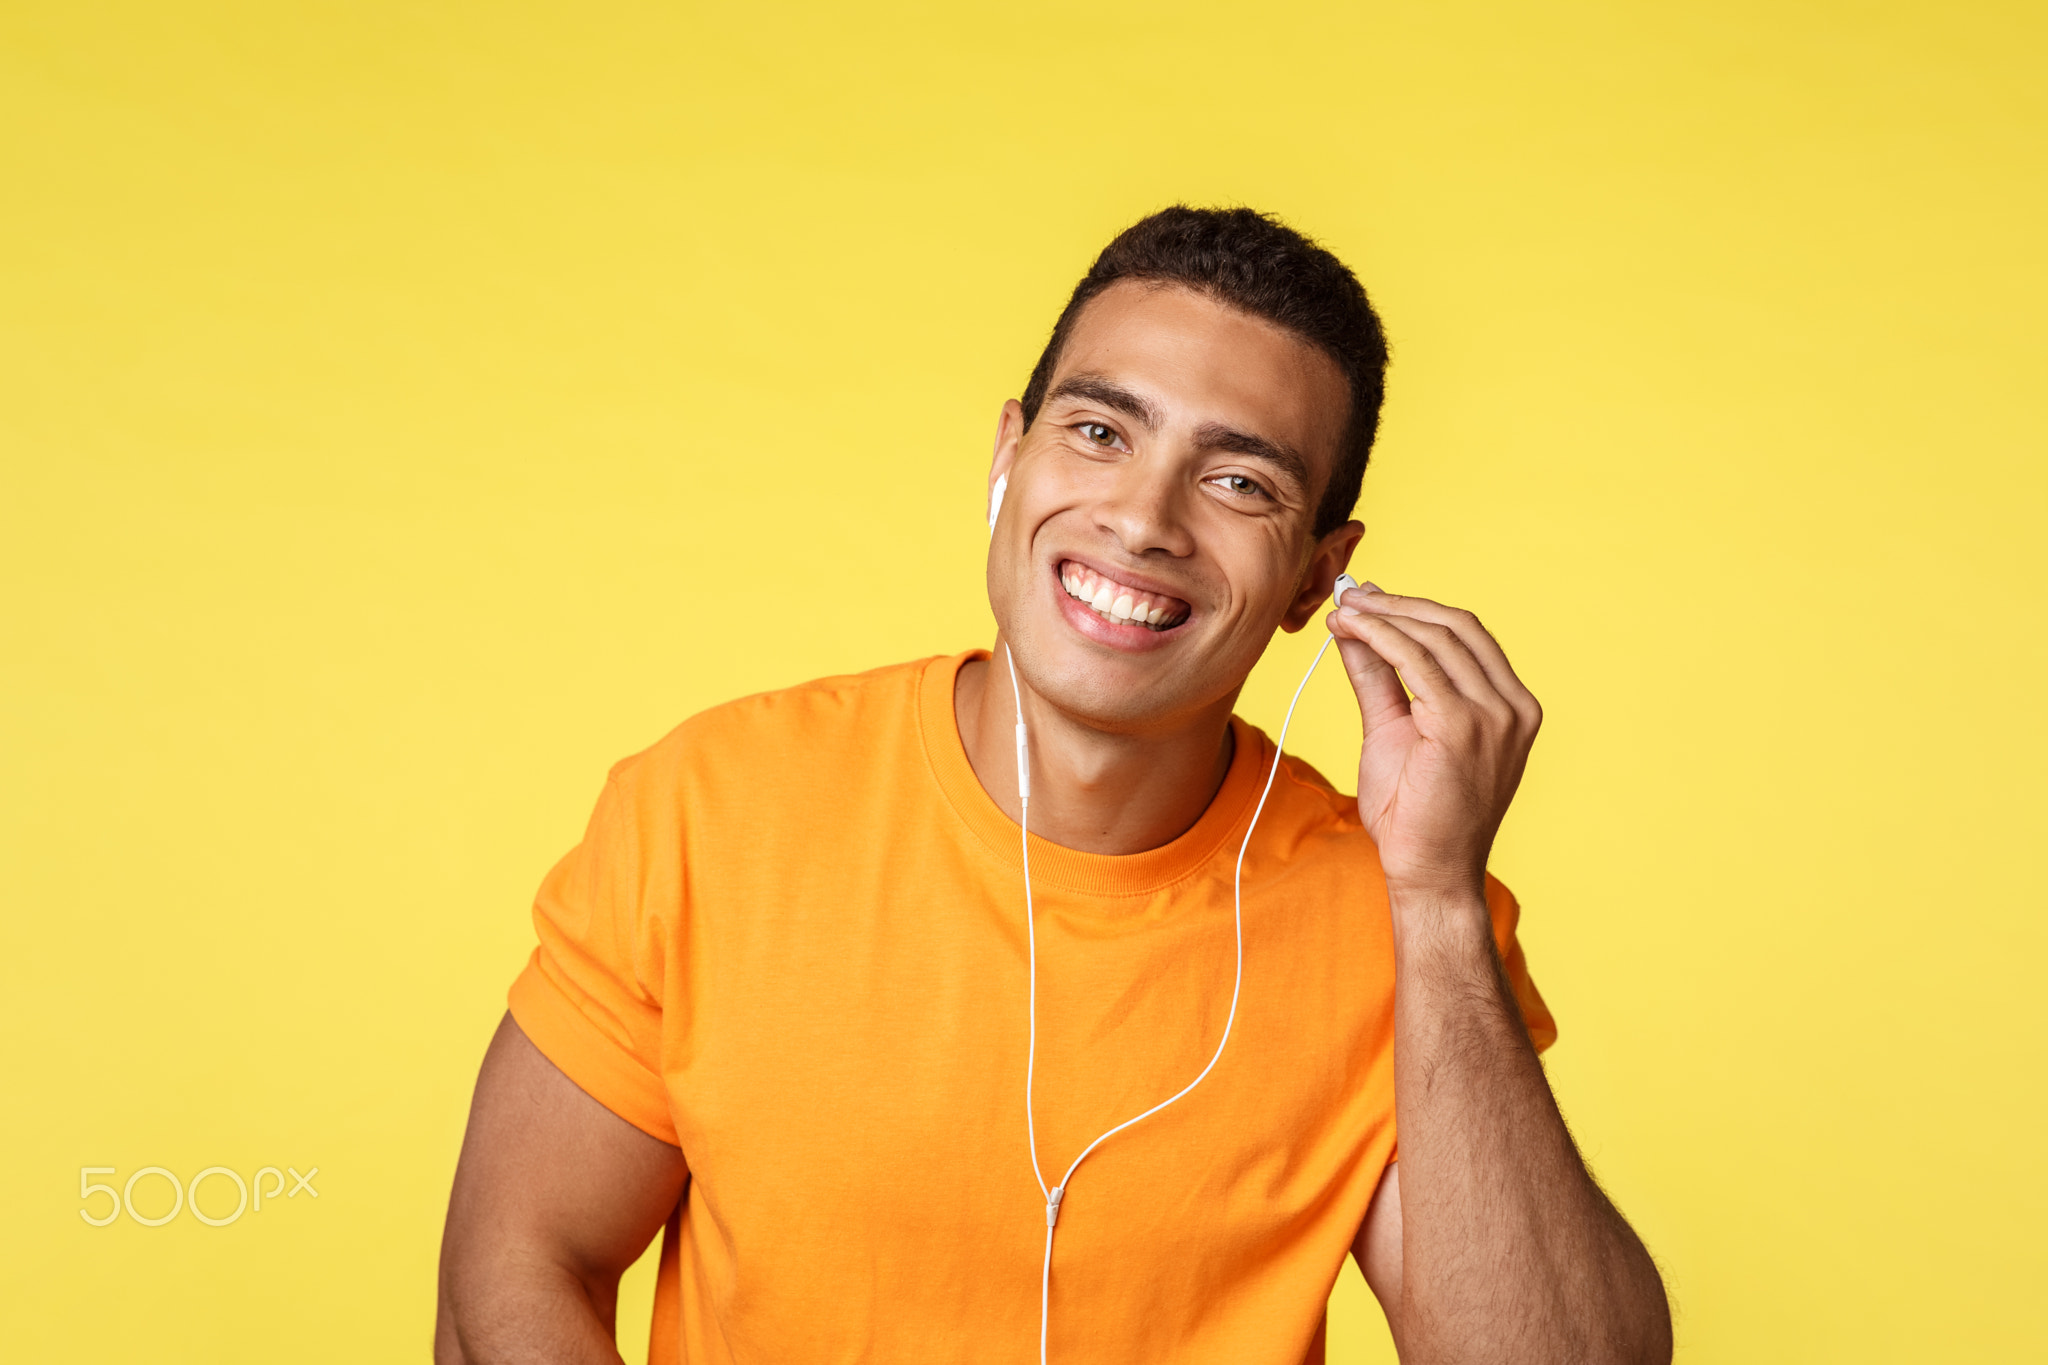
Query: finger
{"type": "Point", "coordinates": [1423, 676]}
{"type": "Point", "coordinates": [1381, 698]}
{"type": "Point", "coordinates": [1464, 671]}
{"type": "Point", "coordinates": [1476, 637]}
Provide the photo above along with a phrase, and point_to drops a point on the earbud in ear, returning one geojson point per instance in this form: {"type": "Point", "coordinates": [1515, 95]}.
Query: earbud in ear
{"type": "Point", "coordinates": [995, 501]}
{"type": "Point", "coordinates": [1345, 583]}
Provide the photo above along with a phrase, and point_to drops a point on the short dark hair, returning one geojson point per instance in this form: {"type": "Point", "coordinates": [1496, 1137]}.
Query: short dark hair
{"type": "Point", "coordinates": [1257, 264]}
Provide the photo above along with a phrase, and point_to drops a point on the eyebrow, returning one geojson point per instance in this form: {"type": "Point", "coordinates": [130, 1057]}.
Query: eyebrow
{"type": "Point", "coordinates": [1097, 388]}
{"type": "Point", "coordinates": [1285, 459]}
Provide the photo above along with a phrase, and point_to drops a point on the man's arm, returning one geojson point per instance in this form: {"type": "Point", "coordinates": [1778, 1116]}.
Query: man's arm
{"type": "Point", "coordinates": [555, 1196]}
{"type": "Point", "coordinates": [1489, 1240]}
{"type": "Point", "coordinates": [1517, 1255]}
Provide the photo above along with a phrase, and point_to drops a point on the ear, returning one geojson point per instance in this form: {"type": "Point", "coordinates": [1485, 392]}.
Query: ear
{"type": "Point", "coordinates": [1009, 434]}
{"type": "Point", "coordinates": [1331, 556]}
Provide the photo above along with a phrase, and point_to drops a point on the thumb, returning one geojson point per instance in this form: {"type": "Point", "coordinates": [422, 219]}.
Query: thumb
{"type": "Point", "coordinates": [1381, 698]}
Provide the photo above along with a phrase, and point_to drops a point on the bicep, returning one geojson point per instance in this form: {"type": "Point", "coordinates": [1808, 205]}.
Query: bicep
{"type": "Point", "coordinates": [548, 1170]}
{"type": "Point", "coordinates": [1377, 1248]}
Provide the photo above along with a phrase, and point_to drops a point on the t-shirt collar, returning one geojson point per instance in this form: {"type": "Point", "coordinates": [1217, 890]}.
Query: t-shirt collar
{"type": "Point", "coordinates": [1053, 865]}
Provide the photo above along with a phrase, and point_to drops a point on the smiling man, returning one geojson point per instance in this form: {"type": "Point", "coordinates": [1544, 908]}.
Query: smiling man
{"type": "Point", "coordinates": [798, 999]}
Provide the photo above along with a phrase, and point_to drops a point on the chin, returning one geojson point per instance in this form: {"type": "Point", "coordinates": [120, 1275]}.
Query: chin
{"type": "Point", "coordinates": [1116, 692]}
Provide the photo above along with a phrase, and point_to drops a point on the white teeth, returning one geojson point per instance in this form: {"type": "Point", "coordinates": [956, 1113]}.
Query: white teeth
{"type": "Point", "coordinates": [1111, 600]}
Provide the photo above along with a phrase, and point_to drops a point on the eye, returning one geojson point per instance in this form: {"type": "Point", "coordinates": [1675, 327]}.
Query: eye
{"type": "Point", "coordinates": [1241, 485]}
{"type": "Point", "coordinates": [1095, 433]}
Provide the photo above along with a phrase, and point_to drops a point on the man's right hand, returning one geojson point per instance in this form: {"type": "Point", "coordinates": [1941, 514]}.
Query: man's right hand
{"type": "Point", "coordinates": [555, 1196]}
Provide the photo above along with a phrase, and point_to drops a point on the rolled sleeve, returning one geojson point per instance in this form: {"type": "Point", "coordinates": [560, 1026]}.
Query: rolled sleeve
{"type": "Point", "coordinates": [590, 997]}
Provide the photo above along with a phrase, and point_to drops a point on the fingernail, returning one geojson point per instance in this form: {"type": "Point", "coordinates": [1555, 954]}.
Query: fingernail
{"type": "Point", "coordinates": [1371, 586]}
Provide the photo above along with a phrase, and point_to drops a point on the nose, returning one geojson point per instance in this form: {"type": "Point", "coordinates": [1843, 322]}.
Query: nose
{"type": "Point", "coordinates": [1145, 510]}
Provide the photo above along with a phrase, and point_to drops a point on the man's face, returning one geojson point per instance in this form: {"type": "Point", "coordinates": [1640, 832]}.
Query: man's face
{"type": "Point", "coordinates": [1171, 475]}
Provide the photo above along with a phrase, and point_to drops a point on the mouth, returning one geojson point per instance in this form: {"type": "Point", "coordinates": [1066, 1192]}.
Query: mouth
{"type": "Point", "coordinates": [1120, 603]}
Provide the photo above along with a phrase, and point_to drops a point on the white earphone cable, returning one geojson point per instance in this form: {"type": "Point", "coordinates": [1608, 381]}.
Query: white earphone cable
{"type": "Point", "coordinates": [1056, 1193]}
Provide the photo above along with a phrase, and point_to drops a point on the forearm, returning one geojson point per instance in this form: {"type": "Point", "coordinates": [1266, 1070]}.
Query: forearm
{"type": "Point", "coordinates": [522, 1308]}
{"type": "Point", "coordinates": [1510, 1252]}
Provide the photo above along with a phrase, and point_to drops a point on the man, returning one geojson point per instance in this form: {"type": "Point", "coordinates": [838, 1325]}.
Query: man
{"type": "Point", "coordinates": [787, 997]}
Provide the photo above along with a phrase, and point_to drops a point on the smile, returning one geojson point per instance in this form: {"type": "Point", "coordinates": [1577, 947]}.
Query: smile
{"type": "Point", "coordinates": [1120, 603]}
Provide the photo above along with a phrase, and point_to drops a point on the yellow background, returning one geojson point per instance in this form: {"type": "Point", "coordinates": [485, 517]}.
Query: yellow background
{"type": "Point", "coordinates": [408, 409]}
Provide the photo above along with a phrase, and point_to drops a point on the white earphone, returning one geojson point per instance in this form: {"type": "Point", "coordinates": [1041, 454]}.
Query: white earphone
{"type": "Point", "coordinates": [1056, 1193]}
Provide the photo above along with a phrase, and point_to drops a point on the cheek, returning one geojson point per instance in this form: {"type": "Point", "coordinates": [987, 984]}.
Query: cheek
{"type": "Point", "coordinates": [1264, 579]}
{"type": "Point", "coordinates": [1008, 561]}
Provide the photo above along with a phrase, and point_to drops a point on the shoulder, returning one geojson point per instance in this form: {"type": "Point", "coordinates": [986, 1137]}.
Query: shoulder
{"type": "Point", "coordinates": [1315, 795]}
{"type": "Point", "coordinates": [1300, 794]}
{"type": "Point", "coordinates": [795, 731]}
{"type": "Point", "coordinates": [1307, 823]}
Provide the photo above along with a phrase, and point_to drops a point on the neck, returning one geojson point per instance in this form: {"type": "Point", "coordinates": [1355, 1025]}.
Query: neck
{"type": "Point", "coordinates": [1093, 790]}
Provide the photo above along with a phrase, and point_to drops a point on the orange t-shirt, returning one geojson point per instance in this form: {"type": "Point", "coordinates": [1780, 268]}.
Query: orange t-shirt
{"type": "Point", "coordinates": [792, 943]}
